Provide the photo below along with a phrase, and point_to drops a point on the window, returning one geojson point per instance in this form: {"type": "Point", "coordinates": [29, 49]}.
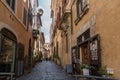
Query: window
{"type": "Point", "coordinates": [84, 36]}
{"type": "Point", "coordinates": [84, 4]}
{"type": "Point", "coordinates": [25, 17]}
{"type": "Point", "coordinates": [11, 3]}
{"type": "Point", "coordinates": [81, 8]}
{"type": "Point", "coordinates": [7, 55]}
{"type": "Point", "coordinates": [30, 18]}
{"type": "Point", "coordinates": [65, 1]}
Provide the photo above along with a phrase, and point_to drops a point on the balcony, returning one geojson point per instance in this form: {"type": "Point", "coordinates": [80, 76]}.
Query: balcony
{"type": "Point", "coordinates": [35, 33]}
{"type": "Point", "coordinates": [64, 20]}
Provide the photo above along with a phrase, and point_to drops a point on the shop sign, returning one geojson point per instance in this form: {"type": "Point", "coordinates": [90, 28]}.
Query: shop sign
{"type": "Point", "coordinates": [110, 71]}
{"type": "Point", "coordinates": [77, 61]}
{"type": "Point", "coordinates": [94, 50]}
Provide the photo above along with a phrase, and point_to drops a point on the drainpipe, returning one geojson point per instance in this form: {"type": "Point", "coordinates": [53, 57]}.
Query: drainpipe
{"type": "Point", "coordinates": [71, 31]}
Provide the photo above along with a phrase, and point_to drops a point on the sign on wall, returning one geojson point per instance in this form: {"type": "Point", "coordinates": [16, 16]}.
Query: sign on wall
{"type": "Point", "coordinates": [94, 49]}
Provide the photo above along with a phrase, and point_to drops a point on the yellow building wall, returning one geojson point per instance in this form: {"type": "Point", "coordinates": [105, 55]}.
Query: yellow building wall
{"type": "Point", "coordinates": [107, 26]}
{"type": "Point", "coordinates": [19, 9]}
{"type": "Point", "coordinates": [13, 23]}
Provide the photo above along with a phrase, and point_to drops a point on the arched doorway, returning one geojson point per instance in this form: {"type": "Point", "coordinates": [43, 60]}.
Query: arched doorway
{"type": "Point", "coordinates": [8, 43]}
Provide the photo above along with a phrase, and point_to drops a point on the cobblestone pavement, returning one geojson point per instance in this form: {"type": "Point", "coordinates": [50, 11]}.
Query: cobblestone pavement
{"type": "Point", "coordinates": [47, 70]}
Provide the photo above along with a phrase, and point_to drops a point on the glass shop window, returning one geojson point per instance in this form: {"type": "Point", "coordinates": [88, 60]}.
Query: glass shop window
{"type": "Point", "coordinates": [7, 55]}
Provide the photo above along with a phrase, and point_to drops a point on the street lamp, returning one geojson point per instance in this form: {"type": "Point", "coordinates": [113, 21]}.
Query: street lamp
{"type": "Point", "coordinates": [40, 12]}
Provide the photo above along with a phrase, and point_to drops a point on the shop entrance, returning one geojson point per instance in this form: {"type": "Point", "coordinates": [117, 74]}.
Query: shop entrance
{"type": "Point", "coordinates": [89, 52]}
{"type": "Point", "coordinates": [85, 53]}
{"type": "Point", "coordinates": [7, 51]}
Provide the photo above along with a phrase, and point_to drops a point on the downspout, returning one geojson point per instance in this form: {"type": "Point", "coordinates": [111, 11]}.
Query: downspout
{"type": "Point", "coordinates": [71, 31]}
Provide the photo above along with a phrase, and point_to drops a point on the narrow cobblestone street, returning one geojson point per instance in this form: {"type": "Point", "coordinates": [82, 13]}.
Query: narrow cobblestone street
{"type": "Point", "coordinates": [47, 70]}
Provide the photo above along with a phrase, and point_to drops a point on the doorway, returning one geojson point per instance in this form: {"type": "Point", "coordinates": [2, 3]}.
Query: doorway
{"type": "Point", "coordinates": [85, 53]}
{"type": "Point", "coordinates": [7, 50]}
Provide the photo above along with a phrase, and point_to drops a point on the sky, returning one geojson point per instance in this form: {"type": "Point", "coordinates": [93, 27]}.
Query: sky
{"type": "Point", "coordinates": [46, 20]}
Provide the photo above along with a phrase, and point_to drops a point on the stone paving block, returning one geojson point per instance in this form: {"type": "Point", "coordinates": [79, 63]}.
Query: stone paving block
{"type": "Point", "coordinates": [47, 70]}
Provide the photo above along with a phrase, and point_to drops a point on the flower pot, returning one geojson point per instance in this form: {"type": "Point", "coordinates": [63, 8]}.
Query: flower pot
{"type": "Point", "coordinates": [86, 72]}
{"type": "Point", "coordinates": [103, 75]}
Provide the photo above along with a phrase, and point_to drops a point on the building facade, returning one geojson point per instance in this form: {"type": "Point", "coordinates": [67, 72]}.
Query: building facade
{"type": "Point", "coordinates": [51, 39]}
{"type": "Point", "coordinates": [40, 47]}
{"type": "Point", "coordinates": [46, 54]}
{"type": "Point", "coordinates": [61, 17]}
{"type": "Point", "coordinates": [86, 32]}
{"type": "Point", "coordinates": [42, 41]}
{"type": "Point", "coordinates": [95, 34]}
{"type": "Point", "coordinates": [54, 27]}
{"type": "Point", "coordinates": [37, 24]}
{"type": "Point", "coordinates": [15, 36]}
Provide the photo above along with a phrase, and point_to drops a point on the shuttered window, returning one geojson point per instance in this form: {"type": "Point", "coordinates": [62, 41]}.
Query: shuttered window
{"type": "Point", "coordinates": [25, 17]}
{"type": "Point", "coordinates": [20, 51]}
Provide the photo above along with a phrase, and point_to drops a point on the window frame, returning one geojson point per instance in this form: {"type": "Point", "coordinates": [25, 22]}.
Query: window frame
{"type": "Point", "coordinates": [79, 2]}
{"type": "Point", "coordinates": [84, 9]}
{"type": "Point", "coordinates": [9, 36]}
{"type": "Point", "coordinates": [25, 16]}
{"type": "Point", "coordinates": [12, 7]}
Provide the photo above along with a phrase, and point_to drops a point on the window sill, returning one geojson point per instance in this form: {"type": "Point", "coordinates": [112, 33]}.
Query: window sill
{"type": "Point", "coordinates": [78, 19]}
{"type": "Point", "coordinates": [81, 16]}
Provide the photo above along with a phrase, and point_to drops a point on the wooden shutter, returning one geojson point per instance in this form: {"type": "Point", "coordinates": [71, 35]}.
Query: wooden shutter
{"type": "Point", "coordinates": [20, 51]}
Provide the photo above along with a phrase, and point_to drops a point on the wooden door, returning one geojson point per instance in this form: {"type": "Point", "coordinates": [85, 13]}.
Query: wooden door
{"type": "Point", "coordinates": [85, 53]}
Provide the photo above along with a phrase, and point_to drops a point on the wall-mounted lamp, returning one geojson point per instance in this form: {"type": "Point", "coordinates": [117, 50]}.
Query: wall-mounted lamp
{"type": "Point", "coordinates": [40, 12]}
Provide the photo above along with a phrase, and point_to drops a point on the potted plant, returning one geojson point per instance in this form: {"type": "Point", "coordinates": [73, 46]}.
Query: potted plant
{"type": "Point", "coordinates": [56, 58]}
{"type": "Point", "coordinates": [103, 71]}
{"type": "Point", "coordinates": [85, 68]}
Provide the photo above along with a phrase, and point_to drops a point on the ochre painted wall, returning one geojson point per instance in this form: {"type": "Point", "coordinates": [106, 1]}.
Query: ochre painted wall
{"type": "Point", "coordinates": [14, 22]}
{"type": "Point", "coordinates": [107, 26]}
